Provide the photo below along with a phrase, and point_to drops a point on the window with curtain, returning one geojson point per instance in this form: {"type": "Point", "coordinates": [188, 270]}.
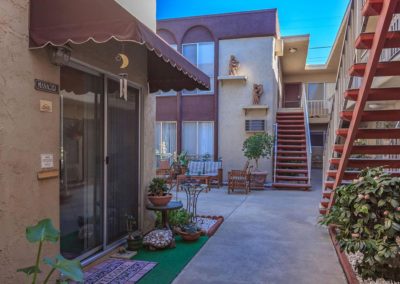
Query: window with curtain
{"type": "Point", "coordinates": [201, 55]}
{"type": "Point", "coordinates": [198, 138]}
{"type": "Point", "coordinates": [316, 91]}
{"type": "Point", "coordinates": [165, 143]}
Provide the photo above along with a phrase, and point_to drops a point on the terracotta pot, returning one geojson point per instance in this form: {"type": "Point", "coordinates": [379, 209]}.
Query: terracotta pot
{"type": "Point", "coordinates": [189, 237]}
{"type": "Point", "coordinates": [183, 170]}
{"type": "Point", "coordinates": [160, 200]}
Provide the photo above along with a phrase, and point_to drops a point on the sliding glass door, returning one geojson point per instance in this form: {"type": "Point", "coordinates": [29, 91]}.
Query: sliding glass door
{"type": "Point", "coordinates": [81, 183]}
{"type": "Point", "coordinates": [123, 159]}
{"type": "Point", "coordinates": [99, 181]}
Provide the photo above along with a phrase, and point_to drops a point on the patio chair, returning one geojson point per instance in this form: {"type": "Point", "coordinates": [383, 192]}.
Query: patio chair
{"type": "Point", "coordinates": [239, 179]}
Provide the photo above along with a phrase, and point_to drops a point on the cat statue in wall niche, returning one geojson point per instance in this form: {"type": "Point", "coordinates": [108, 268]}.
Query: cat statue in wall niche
{"type": "Point", "coordinates": [234, 65]}
{"type": "Point", "coordinates": [258, 91]}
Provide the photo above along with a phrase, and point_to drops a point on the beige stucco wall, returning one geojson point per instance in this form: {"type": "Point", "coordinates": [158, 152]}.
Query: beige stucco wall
{"type": "Point", "coordinates": [25, 133]}
{"type": "Point", "coordinates": [259, 65]}
{"type": "Point", "coordinates": [144, 10]}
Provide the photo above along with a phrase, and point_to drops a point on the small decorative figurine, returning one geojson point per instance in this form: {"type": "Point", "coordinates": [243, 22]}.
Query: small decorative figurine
{"type": "Point", "coordinates": [258, 91]}
{"type": "Point", "coordinates": [234, 65]}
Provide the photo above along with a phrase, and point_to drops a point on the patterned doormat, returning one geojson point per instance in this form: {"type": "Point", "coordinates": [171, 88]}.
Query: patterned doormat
{"type": "Point", "coordinates": [117, 271]}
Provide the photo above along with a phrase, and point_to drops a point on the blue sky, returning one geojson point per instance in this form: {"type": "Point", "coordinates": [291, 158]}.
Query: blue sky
{"type": "Point", "coordinates": [319, 18]}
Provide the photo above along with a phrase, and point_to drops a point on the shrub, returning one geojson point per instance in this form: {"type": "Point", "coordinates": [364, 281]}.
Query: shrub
{"type": "Point", "coordinates": [258, 146]}
{"type": "Point", "coordinates": [176, 218]}
{"type": "Point", "coordinates": [366, 214]}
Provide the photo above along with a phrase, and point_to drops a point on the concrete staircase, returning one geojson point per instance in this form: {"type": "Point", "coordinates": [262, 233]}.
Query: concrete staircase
{"type": "Point", "coordinates": [291, 165]}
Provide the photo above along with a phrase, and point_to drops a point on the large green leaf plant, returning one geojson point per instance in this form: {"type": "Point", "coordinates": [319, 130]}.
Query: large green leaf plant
{"type": "Point", "coordinates": [42, 232]}
{"type": "Point", "coordinates": [366, 215]}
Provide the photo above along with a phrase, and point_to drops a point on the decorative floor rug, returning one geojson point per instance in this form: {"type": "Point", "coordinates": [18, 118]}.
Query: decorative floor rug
{"type": "Point", "coordinates": [117, 271]}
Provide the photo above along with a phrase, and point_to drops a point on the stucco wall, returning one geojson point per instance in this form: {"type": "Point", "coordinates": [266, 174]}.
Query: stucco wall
{"type": "Point", "coordinates": [144, 10]}
{"type": "Point", "coordinates": [25, 133]}
{"type": "Point", "coordinates": [257, 63]}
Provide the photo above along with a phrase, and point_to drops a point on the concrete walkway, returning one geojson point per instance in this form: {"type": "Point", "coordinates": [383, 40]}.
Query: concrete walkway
{"type": "Point", "coordinates": [267, 237]}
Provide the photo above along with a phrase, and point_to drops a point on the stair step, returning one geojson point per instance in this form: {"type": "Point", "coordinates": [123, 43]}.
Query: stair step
{"type": "Point", "coordinates": [290, 117]}
{"type": "Point", "coordinates": [284, 158]}
{"type": "Point", "coordinates": [302, 147]}
{"type": "Point", "coordinates": [290, 126]}
{"type": "Point", "coordinates": [327, 193]}
{"type": "Point", "coordinates": [350, 175]}
{"type": "Point", "coordinates": [323, 211]}
{"type": "Point", "coordinates": [294, 165]}
{"type": "Point", "coordinates": [289, 122]}
{"type": "Point", "coordinates": [388, 68]}
{"type": "Point", "coordinates": [374, 8]}
{"type": "Point", "coordinates": [377, 94]}
{"type": "Point", "coordinates": [291, 171]}
{"type": "Point", "coordinates": [376, 115]}
{"type": "Point", "coordinates": [291, 131]}
{"type": "Point", "coordinates": [293, 178]}
{"type": "Point", "coordinates": [370, 149]}
{"type": "Point", "coordinates": [298, 113]}
{"type": "Point", "coordinates": [363, 163]}
{"type": "Point", "coordinates": [324, 203]}
{"type": "Point", "coordinates": [366, 133]}
{"type": "Point", "coordinates": [291, 185]}
{"type": "Point", "coordinates": [290, 141]}
{"type": "Point", "coordinates": [280, 152]}
{"type": "Point", "coordinates": [364, 40]}
{"type": "Point", "coordinates": [291, 136]}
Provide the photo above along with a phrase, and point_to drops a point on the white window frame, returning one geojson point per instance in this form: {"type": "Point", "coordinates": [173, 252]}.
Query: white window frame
{"type": "Point", "coordinates": [197, 91]}
{"type": "Point", "coordinates": [161, 133]}
{"type": "Point", "coordinates": [197, 134]}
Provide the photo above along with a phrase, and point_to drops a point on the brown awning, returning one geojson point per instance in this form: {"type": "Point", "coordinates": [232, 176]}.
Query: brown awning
{"type": "Point", "coordinates": [59, 22]}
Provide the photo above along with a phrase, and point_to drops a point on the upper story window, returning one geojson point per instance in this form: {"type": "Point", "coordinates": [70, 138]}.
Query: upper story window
{"type": "Point", "coordinates": [316, 91]}
{"type": "Point", "coordinates": [201, 55]}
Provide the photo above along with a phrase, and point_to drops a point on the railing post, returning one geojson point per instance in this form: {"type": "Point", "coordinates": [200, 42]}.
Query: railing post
{"type": "Point", "coordinates": [304, 103]}
{"type": "Point", "coordinates": [275, 148]}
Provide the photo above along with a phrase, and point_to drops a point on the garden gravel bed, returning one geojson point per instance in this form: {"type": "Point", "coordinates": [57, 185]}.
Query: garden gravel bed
{"type": "Point", "coordinates": [209, 224]}
{"type": "Point", "coordinates": [353, 259]}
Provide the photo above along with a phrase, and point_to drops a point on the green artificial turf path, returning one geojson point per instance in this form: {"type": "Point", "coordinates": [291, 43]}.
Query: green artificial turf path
{"type": "Point", "coordinates": [170, 262]}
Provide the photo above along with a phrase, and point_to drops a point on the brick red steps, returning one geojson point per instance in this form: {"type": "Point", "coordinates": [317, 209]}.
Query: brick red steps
{"type": "Point", "coordinates": [291, 136]}
{"type": "Point", "coordinates": [388, 68]}
{"type": "Point", "coordinates": [286, 152]}
{"type": "Point", "coordinates": [291, 171]}
{"type": "Point", "coordinates": [287, 158]}
{"type": "Point", "coordinates": [364, 40]}
{"type": "Point", "coordinates": [292, 147]}
{"type": "Point", "coordinates": [290, 141]}
{"type": "Point", "coordinates": [371, 149]}
{"type": "Point", "coordinates": [379, 94]}
{"type": "Point", "coordinates": [291, 165]}
{"type": "Point", "coordinates": [363, 163]}
{"type": "Point", "coordinates": [387, 133]}
{"type": "Point", "coordinates": [374, 8]}
{"type": "Point", "coordinates": [282, 185]}
{"type": "Point", "coordinates": [375, 115]}
{"type": "Point", "coordinates": [292, 178]}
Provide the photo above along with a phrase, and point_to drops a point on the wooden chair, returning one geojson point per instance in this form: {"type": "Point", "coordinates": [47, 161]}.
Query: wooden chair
{"type": "Point", "coordinates": [239, 179]}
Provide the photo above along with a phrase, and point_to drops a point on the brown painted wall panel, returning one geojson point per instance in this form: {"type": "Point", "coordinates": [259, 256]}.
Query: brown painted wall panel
{"type": "Point", "coordinates": [198, 108]}
{"type": "Point", "coordinates": [166, 108]}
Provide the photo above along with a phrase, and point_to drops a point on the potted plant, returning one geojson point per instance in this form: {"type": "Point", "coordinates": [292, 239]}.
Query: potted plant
{"type": "Point", "coordinates": [254, 148]}
{"type": "Point", "coordinates": [159, 193]}
{"type": "Point", "coordinates": [190, 232]}
{"type": "Point", "coordinates": [135, 238]}
{"type": "Point", "coordinates": [183, 162]}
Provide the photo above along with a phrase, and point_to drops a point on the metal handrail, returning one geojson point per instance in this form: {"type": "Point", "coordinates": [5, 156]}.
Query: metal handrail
{"type": "Point", "coordinates": [307, 126]}
{"type": "Point", "coordinates": [275, 148]}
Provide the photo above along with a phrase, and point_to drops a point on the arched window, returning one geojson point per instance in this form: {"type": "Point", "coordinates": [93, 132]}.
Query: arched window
{"type": "Point", "coordinates": [198, 48]}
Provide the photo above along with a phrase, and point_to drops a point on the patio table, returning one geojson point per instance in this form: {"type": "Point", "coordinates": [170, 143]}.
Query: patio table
{"type": "Point", "coordinates": [200, 179]}
{"type": "Point", "coordinates": [172, 205]}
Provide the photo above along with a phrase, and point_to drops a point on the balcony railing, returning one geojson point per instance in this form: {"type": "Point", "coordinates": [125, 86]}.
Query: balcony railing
{"type": "Point", "coordinates": [318, 108]}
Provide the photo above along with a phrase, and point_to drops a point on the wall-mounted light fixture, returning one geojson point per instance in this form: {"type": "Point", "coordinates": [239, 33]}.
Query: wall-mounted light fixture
{"type": "Point", "coordinates": [292, 50]}
{"type": "Point", "coordinates": [60, 55]}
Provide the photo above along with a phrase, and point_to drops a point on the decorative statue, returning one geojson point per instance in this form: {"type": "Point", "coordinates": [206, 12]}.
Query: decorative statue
{"type": "Point", "coordinates": [258, 91]}
{"type": "Point", "coordinates": [234, 65]}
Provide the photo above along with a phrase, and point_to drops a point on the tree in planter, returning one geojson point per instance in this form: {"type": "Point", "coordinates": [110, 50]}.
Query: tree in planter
{"type": "Point", "coordinates": [258, 146]}
{"type": "Point", "coordinates": [366, 215]}
{"type": "Point", "coordinates": [42, 232]}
